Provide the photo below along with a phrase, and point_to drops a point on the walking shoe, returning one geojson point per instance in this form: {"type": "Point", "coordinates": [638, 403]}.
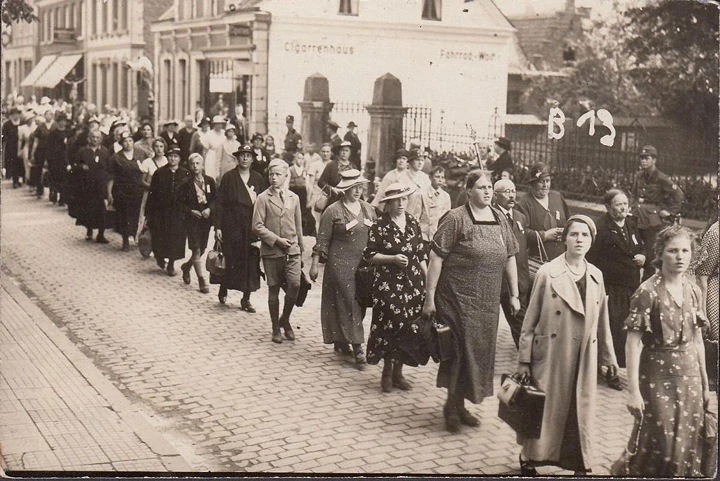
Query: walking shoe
{"type": "Point", "coordinates": [125, 246]}
{"type": "Point", "coordinates": [185, 268]}
{"type": "Point", "coordinates": [342, 348]}
{"type": "Point", "coordinates": [88, 236]}
{"type": "Point", "coordinates": [246, 306]}
{"type": "Point", "coordinates": [171, 270]}
{"type": "Point", "coordinates": [159, 262]}
{"type": "Point", "coordinates": [452, 418]}
{"type": "Point", "coordinates": [360, 361]}
{"type": "Point", "coordinates": [276, 336]}
{"type": "Point", "coordinates": [101, 240]}
{"type": "Point", "coordinates": [386, 382]}
{"type": "Point", "coordinates": [203, 285]}
{"type": "Point", "coordinates": [526, 469]}
{"type": "Point", "coordinates": [285, 324]}
{"type": "Point", "coordinates": [222, 295]}
{"type": "Point", "coordinates": [466, 418]}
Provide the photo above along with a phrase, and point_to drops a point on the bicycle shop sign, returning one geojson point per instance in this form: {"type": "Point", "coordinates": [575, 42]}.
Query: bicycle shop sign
{"type": "Point", "coordinates": [556, 124]}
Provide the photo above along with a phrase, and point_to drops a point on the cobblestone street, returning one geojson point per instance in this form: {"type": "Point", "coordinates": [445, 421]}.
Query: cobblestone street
{"type": "Point", "coordinates": [208, 380]}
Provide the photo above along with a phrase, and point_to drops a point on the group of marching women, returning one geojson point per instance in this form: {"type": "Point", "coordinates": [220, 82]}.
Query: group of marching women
{"type": "Point", "coordinates": [458, 266]}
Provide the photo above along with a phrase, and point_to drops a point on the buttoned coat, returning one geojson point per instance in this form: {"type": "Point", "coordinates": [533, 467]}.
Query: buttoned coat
{"type": "Point", "coordinates": [546, 343]}
{"type": "Point", "coordinates": [274, 218]}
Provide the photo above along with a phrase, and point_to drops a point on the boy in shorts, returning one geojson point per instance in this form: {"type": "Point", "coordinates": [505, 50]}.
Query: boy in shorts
{"type": "Point", "coordinates": [277, 221]}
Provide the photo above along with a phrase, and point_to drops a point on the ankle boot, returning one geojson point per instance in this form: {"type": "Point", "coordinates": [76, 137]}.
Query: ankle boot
{"type": "Point", "coordinates": [452, 418]}
{"type": "Point", "coordinates": [398, 380]}
{"type": "Point", "coordinates": [203, 285]}
{"type": "Point", "coordinates": [285, 320]}
{"type": "Point", "coordinates": [359, 356]}
{"type": "Point", "coordinates": [465, 417]}
{"type": "Point", "coordinates": [386, 380]}
{"type": "Point", "coordinates": [274, 309]}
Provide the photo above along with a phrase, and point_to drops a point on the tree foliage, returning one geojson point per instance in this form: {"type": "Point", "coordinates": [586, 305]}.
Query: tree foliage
{"type": "Point", "coordinates": [675, 46]}
{"type": "Point", "coordinates": [12, 11]}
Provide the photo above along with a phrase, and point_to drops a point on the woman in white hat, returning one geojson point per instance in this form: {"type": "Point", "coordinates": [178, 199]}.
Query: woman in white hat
{"type": "Point", "coordinates": [343, 235]}
{"type": "Point", "coordinates": [396, 249]}
{"type": "Point", "coordinates": [215, 140]}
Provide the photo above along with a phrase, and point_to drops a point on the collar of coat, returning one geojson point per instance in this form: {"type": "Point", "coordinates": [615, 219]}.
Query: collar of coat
{"type": "Point", "coordinates": [564, 286]}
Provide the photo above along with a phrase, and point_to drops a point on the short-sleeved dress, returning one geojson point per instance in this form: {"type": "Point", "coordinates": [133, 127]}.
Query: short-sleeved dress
{"type": "Point", "coordinates": [670, 440]}
{"type": "Point", "coordinates": [467, 297]}
{"type": "Point", "coordinates": [340, 243]}
{"type": "Point", "coordinates": [707, 265]}
{"type": "Point", "coordinates": [398, 292]}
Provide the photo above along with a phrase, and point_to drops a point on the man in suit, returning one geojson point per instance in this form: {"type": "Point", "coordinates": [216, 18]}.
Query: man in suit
{"type": "Point", "coordinates": [503, 164]}
{"type": "Point", "coordinates": [331, 129]}
{"type": "Point", "coordinates": [170, 133]}
{"type": "Point", "coordinates": [291, 140]}
{"type": "Point", "coordinates": [184, 137]}
{"type": "Point", "coordinates": [505, 200]}
{"type": "Point", "coordinates": [355, 144]}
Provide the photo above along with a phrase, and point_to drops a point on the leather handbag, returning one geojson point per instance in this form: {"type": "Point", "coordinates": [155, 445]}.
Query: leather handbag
{"type": "Point", "coordinates": [321, 202]}
{"type": "Point", "coordinates": [621, 467]}
{"type": "Point", "coordinates": [363, 284]}
{"type": "Point", "coordinates": [534, 262]}
{"type": "Point", "coordinates": [215, 261]}
{"type": "Point", "coordinates": [144, 242]}
{"type": "Point", "coordinates": [524, 413]}
{"type": "Point", "coordinates": [305, 286]}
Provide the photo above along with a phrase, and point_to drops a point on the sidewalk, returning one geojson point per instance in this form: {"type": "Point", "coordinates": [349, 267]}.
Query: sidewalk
{"type": "Point", "coordinates": [57, 411]}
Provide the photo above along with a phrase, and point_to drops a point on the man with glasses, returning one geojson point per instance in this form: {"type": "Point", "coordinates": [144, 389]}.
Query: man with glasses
{"type": "Point", "coordinates": [657, 202]}
{"type": "Point", "coordinates": [505, 201]}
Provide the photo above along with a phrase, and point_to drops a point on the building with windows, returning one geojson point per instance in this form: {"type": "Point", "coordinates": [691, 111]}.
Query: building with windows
{"type": "Point", "coordinates": [450, 55]}
{"type": "Point", "coordinates": [19, 51]}
{"type": "Point", "coordinates": [82, 48]}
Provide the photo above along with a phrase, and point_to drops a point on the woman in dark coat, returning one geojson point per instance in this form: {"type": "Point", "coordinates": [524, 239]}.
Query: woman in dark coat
{"type": "Point", "coordinates": [93, 173]}
{"type": "Point", "coordinates": [618, 253]}
{"type": "Point", "coordinates": [237, 193]}
{"type": "Point", "coordinates": [165, 218]}
{"type": "Point", "coordinates": [126, 189]}
{"type": "Point", "coordinates": [197, 199]}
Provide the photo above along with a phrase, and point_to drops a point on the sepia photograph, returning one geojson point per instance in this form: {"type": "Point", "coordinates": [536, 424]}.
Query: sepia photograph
{"type": "Point", "coordinates": [470, 238]}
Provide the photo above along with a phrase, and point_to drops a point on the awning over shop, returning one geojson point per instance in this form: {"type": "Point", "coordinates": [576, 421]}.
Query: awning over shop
{"type": "Point", "coordinates": [39, 69]}
{"type": "Point", "coordinates": [57, 71]}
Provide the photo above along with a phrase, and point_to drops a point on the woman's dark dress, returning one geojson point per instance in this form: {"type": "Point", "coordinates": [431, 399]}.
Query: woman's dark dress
{"type": "Point", "coordinates": [127, 192]}
{"type": "Point", "coordinates": [165, 218]}
{"type": "Point", "coordinates": [398, 292]}
{"type": "Point", "coordinates": [92, 186]}
{"type": "Point", "coordinates": [233, 215]}
{"type": "Point", "coordinates": [197, 230]}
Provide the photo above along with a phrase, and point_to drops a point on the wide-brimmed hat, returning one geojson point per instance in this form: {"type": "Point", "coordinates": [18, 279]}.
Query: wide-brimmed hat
{"type": "Point", "coordinates": [345, 143]}
{"type": "Point", "coordinates": [504, 142]}
{"type": "Point", "coordinates": [350, 178]}
{"type": "Point", "coordinates": [230, 126]}
{"type": "Point", "coordinates": [244, 149]}
{"type": "Point", "coordinates": [539, 171]}
{"type": "Point", "coordinates": [171, 122]}
{"type": "Point", "coordinates": [218, 119]}
{"type": "Point", "coordinates": [397, 190]}
{"type": "Point", "coordinates": [351, 124]}
{"type": "Point", "coordinates": [648, 150]}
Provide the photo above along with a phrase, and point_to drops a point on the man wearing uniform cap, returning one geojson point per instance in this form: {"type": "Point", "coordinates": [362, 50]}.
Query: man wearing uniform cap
{"type": "Point", "coordinates": [291, 139]}
{"type": "Point", "coordinates": [657, 201]}
{"type": "Point", "coordinates": [355, 144]}
{"type": "Point", "coordinates": [331, 129]}
{"type": "Point", "coordinates": [504, 163]}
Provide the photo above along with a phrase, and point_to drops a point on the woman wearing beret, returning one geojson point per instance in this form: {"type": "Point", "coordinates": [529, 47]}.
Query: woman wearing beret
{"type": "Point", "coordinates": [546, 211]}
{"type": "Point", "coordinates": [565, 331]}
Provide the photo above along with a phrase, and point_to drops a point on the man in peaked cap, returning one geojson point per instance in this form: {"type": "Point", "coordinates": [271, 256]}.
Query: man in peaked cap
{"type": "Point", "coordinates": [657, 201]}
{"type": "Point", "coordinates": [355, 144]}
{"type": "Point", "coordinates": [504, 163]}
{"type": "Point", "coordinates": [291, 139]}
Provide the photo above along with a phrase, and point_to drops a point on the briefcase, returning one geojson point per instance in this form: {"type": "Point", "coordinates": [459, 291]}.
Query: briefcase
{"type": "Point", "coordinates": [525, 413]}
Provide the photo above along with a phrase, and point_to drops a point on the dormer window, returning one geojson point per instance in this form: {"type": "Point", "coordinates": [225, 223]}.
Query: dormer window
{"type": "Point", "coordinates": [432, 9]}
{"type": "Point", "coordinates": [348, 7]}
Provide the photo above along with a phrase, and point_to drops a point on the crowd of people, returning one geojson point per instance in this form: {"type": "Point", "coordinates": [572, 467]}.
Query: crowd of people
{"type": "Point", "coordinates": [582, 312]}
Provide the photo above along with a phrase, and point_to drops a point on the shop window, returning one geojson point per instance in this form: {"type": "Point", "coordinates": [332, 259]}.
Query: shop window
{"type": "Point", "coordinates": [348, 7]}
{"type": "Point", "coordinates": [432, 9]}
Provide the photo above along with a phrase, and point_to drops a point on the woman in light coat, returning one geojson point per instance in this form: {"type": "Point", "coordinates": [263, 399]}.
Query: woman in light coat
{"type": "Point", "coordinates": [563, 336]}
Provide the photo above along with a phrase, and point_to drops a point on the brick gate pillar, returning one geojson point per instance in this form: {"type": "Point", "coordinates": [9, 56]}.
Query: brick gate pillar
{"type": "Point", "coordinates": [315, 108]}
{"type": "Point", "coordinates": [385, 135]}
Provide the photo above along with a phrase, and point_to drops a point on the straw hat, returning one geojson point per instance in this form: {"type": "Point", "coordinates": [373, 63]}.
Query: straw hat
{"type": "Point", "coordinates": [350, 178]}
{"type": "Point", "coordinates": [397, 190]}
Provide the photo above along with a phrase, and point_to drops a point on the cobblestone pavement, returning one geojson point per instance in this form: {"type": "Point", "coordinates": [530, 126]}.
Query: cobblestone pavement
{"type": "Point", "coordinates": [57, 411]}
{"type": "Point", "coordinates": [209, 379]}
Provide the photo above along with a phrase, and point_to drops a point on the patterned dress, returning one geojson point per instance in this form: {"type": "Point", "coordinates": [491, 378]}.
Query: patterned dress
{"type": "Point", "coordinates": [671, 430]}
{"type": "Point", "coordinates": [340, 243]}
{"type": "Point", "coordinates": [397, 291]}
{"type": "Point", "coordinates": [707, 265]}
{"type": "Point", "coordinates": [467, 297]}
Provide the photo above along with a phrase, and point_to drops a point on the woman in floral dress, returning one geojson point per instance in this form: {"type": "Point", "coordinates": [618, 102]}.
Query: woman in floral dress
{"type": "Point", "coordinates": [396, 249]}
{"type": "Point", "coordinates": [667, 380]}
